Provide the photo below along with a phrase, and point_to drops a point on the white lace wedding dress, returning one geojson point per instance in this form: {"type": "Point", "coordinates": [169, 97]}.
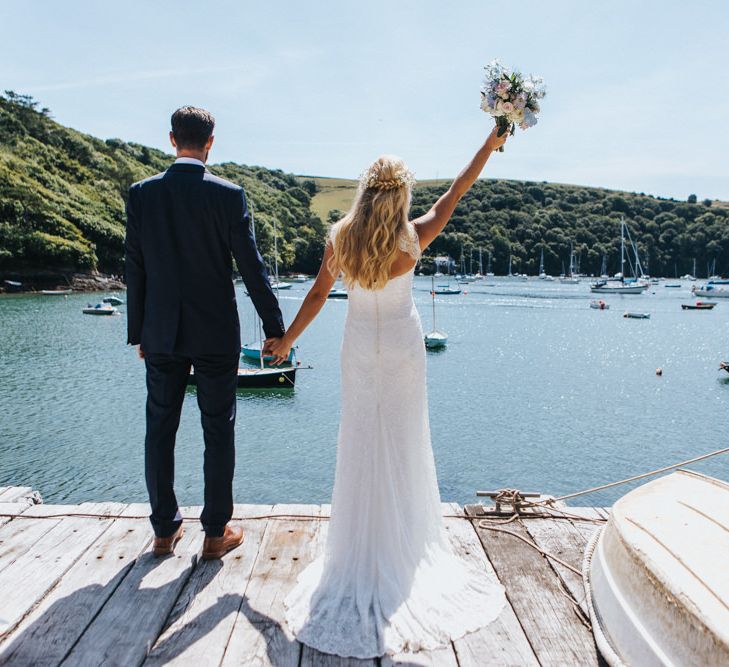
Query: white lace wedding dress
{"type": "Point", "coordinates": [388, 580]}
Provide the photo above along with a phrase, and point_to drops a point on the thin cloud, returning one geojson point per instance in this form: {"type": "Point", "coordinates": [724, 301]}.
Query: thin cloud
{"type": "Point", "coordinates": [133, 77]}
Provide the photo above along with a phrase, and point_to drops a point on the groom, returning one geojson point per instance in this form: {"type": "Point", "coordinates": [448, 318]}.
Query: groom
{"type": "Point", "coordinates": [183, 225]}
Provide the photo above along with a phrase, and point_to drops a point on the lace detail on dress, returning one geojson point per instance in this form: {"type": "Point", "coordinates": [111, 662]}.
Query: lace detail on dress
{"type": "Point", "coordinates": [409, 241]}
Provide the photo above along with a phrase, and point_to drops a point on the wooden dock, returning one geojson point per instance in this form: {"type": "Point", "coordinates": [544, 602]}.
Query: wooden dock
{"type": "Point", "coordinates": [79, 586]}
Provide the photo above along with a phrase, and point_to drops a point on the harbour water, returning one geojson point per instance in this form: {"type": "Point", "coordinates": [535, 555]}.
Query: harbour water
{"type": "Point", "coordinates": [535, 391]}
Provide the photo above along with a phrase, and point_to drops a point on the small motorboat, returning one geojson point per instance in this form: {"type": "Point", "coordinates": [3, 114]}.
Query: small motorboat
{"type": "Point", "coordinates": [251, 352]}
{"type": "Point", "coordinates": [280, 285]}
{"type": "Point", "coordinates": [699, 305]}
{"type": "Point", "coordinates": [56, 292]}
{"type": "Point", "coordinates": [297, 278]}
{"type": "Point", "coordinates": [599, 305]}
{"type": "Point", "coordinates": [260, 378]}
{"type": "Point", "coordinates": [113, 300]}
{"type": "Point", "coordinates": [636, 316]}
{"type": "Point", "coordinates": [446, 289]}
{"type": "Point", "coordinates": [724, 366]}
{"type": "Point", "coordinates": [13, 285]}
{"type": "Point", "coordinates": [672, 285]}
{"type": "Point", "coordinates": [337, 294]}
{"type": "Point", "coordinates": [100, 309]}
{"type": "Point", "coordinates": [656, 577]}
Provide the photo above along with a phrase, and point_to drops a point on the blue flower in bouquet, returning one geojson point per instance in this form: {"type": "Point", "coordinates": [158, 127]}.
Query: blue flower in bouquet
{"type": "Point", "coordinates": [530, 119]}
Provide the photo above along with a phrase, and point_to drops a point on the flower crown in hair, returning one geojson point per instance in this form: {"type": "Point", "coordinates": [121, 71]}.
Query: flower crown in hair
{"type": "Point", "coordinates": [370, 178]}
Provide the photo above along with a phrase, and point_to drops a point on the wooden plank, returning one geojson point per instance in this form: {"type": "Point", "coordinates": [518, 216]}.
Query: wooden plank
{"type": "Point", "coordinates": [501, 642]}
{"type": "Point", "coordinates": [566, 542]}
{"type": "Point", "coordinates": [91, 510]}
{"type": "Point", "coordinates": [49, 632]}
{"type": "Point", "coordinates": [132, 618]}
{"type": "Point", "coordinates": [9, 511]}
{"type": "Point", "coordinates": [203, 617]}
{"type": "Point", "coordinates": [41, 566]}
{"type": "Point", "coordinates": [259, 634]}
{"type": "Point", "coordinates": [12, 494]}
{"type": "Point", "coordinates": [549, 620]}
{"type": "Point", "coordinates": [19, 535]}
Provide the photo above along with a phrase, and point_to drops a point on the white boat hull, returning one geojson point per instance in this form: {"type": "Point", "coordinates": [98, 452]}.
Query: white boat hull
{"type": "Point", "coordinates": [656, 578]}
{"type": "Point", "coordinates": [716, 293]}
{"type": "Point", "coordinates": [620, 289]}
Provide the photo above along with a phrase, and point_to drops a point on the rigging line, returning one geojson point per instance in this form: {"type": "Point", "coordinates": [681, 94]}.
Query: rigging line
{"type": "Point", "coordinates": [566, 496]}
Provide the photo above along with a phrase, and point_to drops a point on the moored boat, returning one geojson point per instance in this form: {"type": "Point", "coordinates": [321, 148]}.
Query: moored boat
{"type": "Point", "coordinates": [56, 292]}
{"type": "Point", "coordinates": [699, 305]}
{"type": "Point", "coordinates": [100, 309]}
{"type": "Point", "coordinates": [446, 289]}
{"type": "Point", "coordinates": [260, 378]}
{"type": "Point", "coordinates": [619, 284]}
{"type": "Point", "coordinates": [435, 339]}
{"type": "Point", "coordinates": [599, 305]}
{"type": "Point", "coordinates": [711, 291]}
{"type": "Point", "coordinates": [113, 300]}
{"type": "Point", "coordinates": [636, 316]}
{"type": "Point", "coordinates": [252, 352]}
{"type": "Point", "coordinates": [337, 294]}
{"type": "Point", "coordinates": [655, 576]}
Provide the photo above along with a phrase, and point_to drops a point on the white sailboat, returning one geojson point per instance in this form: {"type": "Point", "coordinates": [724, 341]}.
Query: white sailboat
{"type": "Point", "coordinates": [435, 339]}
{"type": "Point", "coordinates": [619, 285]}
{"type": "Point", "coordinates": [542, 274]}
{"type": "Point", "coordinates": [252, 351]}
{"type": "Point", "coordinates": [489, 272]}
{"type": "Point", "coordinates": [570, 278]}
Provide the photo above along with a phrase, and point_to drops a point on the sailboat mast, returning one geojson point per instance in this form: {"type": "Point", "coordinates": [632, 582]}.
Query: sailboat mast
{"type": "Point", "coordinates": [480, 261]}
{"type": "Point", "coordinates": [622, 250]}
{"type": "Point", "coordinates": [432, 294]}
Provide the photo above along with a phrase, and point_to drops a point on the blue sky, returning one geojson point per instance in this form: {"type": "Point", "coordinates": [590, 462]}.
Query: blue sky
{"type": "Point", "coordinates": [638, 91]}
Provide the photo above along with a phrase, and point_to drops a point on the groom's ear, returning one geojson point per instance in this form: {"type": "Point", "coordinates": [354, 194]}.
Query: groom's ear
{"type": "Point", "coordinates": [209, 143]}
{"type": "Point", "coordinates": [172, 140]}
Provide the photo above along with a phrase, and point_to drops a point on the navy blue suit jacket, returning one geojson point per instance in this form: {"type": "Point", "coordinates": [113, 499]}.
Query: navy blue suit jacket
{"type": "Point", "coordinates": [183, 225]}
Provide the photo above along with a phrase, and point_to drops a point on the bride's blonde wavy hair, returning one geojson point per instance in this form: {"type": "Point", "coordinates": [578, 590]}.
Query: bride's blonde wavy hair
{"type": "Point", "coordinates": [366, 239]}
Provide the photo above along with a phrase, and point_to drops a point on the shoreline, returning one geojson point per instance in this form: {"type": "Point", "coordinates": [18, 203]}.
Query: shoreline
{"type": "Point", "coordinates": [17, 283]}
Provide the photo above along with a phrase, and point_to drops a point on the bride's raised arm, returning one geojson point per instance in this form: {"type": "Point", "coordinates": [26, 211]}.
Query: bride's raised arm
{"type": "Point", "coordinates": [432, 223]}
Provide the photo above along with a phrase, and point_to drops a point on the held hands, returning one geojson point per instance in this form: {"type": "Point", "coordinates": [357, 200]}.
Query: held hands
{"type": "Point", "coordinates": [494, 141]}
{"type": "Point", "coordinates": [140, 351]}
{"type": "Point", "coordinates": [278, 348]}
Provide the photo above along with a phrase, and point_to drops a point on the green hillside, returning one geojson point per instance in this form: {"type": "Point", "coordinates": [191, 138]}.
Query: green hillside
{"type": "Point", "coordinates": [62, 210]}
{"type": "Point", "coordinates": [520, 218]}
{"type": "Point", "coordinates": [62, 197]}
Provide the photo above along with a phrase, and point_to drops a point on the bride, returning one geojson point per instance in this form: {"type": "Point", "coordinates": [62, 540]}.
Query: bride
{"type": "Point", "coordinates": [388, 580]}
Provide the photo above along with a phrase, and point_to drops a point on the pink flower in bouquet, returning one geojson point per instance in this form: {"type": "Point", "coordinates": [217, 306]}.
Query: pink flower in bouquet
{"type": "Point", "coordinates": [502, 89]}
{"type": "Point", "coordinates": [507, 107]}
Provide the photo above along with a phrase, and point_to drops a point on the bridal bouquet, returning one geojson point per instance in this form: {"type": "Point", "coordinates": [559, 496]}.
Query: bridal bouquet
{"type": "Point", "coordinates": [510, 97]}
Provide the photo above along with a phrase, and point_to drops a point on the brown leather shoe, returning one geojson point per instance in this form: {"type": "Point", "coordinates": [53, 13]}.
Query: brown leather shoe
{"type": "Point", "coordinates": [216, 547]}
{"type": "Point", "coordinates": [166, 545]}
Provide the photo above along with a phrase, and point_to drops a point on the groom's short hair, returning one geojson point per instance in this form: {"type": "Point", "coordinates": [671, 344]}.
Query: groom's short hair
{"type": "Point", "coordinates": [192, 127]}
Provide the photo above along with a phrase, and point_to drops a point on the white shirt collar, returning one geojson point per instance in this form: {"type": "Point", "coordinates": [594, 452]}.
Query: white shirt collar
{"type": "Point", "coordinates": [189, 160]}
